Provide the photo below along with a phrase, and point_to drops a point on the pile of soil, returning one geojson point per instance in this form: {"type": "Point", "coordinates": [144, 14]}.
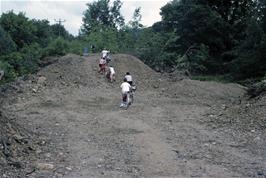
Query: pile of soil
{"type": "Point", "coordinates": [176, 127]}
{"type": "Point", "coordinates": [17, 149]}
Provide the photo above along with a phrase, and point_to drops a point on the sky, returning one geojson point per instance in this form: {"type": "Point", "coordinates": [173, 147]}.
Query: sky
{"type": "Point", "coordinates": [72, 10]}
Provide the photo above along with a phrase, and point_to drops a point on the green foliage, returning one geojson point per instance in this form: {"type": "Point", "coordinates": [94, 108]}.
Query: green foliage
{"type": "Point", "coordinates": [19, 27]}
{"type": "Point", "coordinates": [108, 38]}
{"type": "Point", "coordinates": [25, 61]}
{"type": "Point", "coordinates": [195, 60]}
{"type": "Point", "coordinates": [251, 54]}
{"type": "Point", "coordinates": [59, 30]}
{"type": "Point", "coordinates": [76, 47]}
{"type": "Point", "coordinates": [10, 73]}
{"type": "Point", "coordinates": [57, 47]}
{"type": "Point", "coordinates": [135, 22]}
{"type": "Point", "coordinates": [7, 45]}
{"type": "Point", "coordinates": [43, 32]}
{"type": "Point", "coordinates": [31, 56]}
{"type": "Point", "coordinates": [101, 15]}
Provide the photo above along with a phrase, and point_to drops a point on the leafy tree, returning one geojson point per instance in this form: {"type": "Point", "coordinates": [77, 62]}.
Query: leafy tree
{"type": "Point", "coordinates": [7, 45]}
{"type": "Point", "coordinates": [58, 30]}
{"type": "Point", "coordinates": [57, 47]}
{"type": "Point", "coordinates": [10, 73]}
{"type": "Point", "coordinates": [135, 22]}
{"type": "Point", "coordinates": [19, 27]}
{"type": "Point", "coordinates": [43, 32]}
{"type": "Point", "coordinates": [250, 60]}
{"type": "Point", "coordinates": [107, 38]}
{"type": "Point", "coordinates": [23, 62]}
{"type": "Point", "coordinates": [100, 14]}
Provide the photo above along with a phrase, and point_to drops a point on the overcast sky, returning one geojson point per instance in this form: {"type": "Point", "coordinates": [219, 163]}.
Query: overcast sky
{"type": "Point", "coordinates": [72, 10]}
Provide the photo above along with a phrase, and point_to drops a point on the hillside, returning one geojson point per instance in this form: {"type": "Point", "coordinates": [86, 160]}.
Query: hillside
{"type": "Point", "coordinates": [67, 118]}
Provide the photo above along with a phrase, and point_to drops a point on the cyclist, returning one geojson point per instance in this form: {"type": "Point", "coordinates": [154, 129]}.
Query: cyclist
{"type": "Point", "coordinates": [125, 86]}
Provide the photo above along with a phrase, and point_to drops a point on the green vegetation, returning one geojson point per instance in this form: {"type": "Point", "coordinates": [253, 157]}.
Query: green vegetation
{"type": "Point", "coordinates": [24, 42]}
{"type": "Point", "coordinates": [204, 37]}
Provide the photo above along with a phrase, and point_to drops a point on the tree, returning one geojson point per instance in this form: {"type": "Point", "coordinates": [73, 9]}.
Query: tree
{"type": "Point", "coordinates": [43, 32]}
{"type": "Point", "coordinates": [7, 45]}
{"type": "Point", "coordinates": [58, 30]}
{"type": "Point", "coordinates": [101, 15]}
{"type": "Point", "coordinates": [19, 27]}
{"type": "Point", "coordinates": [135, 22]}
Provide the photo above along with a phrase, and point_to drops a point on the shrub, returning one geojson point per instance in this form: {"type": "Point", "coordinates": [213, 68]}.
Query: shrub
{"type": "Point", "coordinates": [25, 61]}
{"type": "Point", "coordinates": [57, 47]}
{"type": "Point", "coordinates": [7, 45]}
{"type": "Point", "coordinates": [10, 73]}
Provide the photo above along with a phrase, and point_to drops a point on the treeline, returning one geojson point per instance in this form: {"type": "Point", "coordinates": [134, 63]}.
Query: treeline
{"type": "Point", "coordinates": [225, 37]}
{"type": "Point", "coordinates": [202, 37]}
{"type": "Point", "coordinates": [24, 43]}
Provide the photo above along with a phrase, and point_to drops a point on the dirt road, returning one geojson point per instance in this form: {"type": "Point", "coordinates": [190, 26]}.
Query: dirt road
{"type": "Point", "coordinates": [165, 133]}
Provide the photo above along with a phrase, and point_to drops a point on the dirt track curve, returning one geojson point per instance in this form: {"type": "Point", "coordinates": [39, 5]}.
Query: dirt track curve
{"type": "Point", "coordinates": [165, 133]}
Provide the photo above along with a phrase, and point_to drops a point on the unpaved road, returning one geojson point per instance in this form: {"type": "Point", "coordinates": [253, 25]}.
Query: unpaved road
{"type": "Point", "coordinates": [165, 133]}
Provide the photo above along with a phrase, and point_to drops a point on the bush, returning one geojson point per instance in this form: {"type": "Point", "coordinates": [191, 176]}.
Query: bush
{"type": "Point", "coordinates": [57, 47]}
{"type": "Point", "coordinates": [7, 45]}
{"type": "Point", "coordinates": [107, 38]}
{"type": "Point", "coordinates": [76, 47]}
{"type": "Point", "coordinates": [31, 56]}
{"type": "Point", "coordinates": [195, 60]}
{"type": "Point", "coordinates": [10, 73]}
{"type": "Point", "coordinates": [25, 61]}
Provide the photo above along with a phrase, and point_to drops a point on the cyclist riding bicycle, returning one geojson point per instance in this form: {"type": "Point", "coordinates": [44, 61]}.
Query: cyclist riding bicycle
{"type": "Point", "coordinates": [102, 66]}
{"type": "Point", "coordinates": [125, 86]}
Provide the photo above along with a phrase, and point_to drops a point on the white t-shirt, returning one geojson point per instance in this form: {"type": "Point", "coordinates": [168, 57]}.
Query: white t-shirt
{"type": "Point", "coordinates": [102, 61]}
{"type": "Point", "coordinates": [112, 70]}
{"type": "Point", "coordinates": [105, 53]}
{"type": "Point", "coordinates": [129, 78]}
{"type": "Point", "coordinates": [125, 87]}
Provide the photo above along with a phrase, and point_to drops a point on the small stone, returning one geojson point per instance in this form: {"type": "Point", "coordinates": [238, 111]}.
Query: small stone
{"type": "Point", "coordinates": [38, 151]}
{"type": "Point", "coordinates": [34, 90]}
{"type": "Point", "coordinates": [41, 80]}
{"type": "Point", "coordinates": [252, 131]}
{"type": "Point", "coordinates": [45, 166]}
{"type": "Point", "coordinates": [155, 86]}
{"type": "Point", "coordinates": [257, 138]}
{"type": "Point", "coordinates": [206, 144]}
{"type": "Point", "coordinates": [224, 107]}
{"type": "Point", "coordinates": [48, 155]}
{"type": "Point", "coordinates": [69, 168]}
{"type": "Point", "coordinates": [43, 142]}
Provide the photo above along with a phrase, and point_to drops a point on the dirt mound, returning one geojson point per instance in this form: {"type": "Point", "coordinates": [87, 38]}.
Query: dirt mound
{"type": "Point", "coordinates": [257, 89]}
{"type": "Point", "coordinates": [69, 71]}
{"type": "Point", "coordinates": [76, 112]}
{"type": "Point", "coordinates": [17, 149]}
{"type": "Point", "coordinates": [205, 92]}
